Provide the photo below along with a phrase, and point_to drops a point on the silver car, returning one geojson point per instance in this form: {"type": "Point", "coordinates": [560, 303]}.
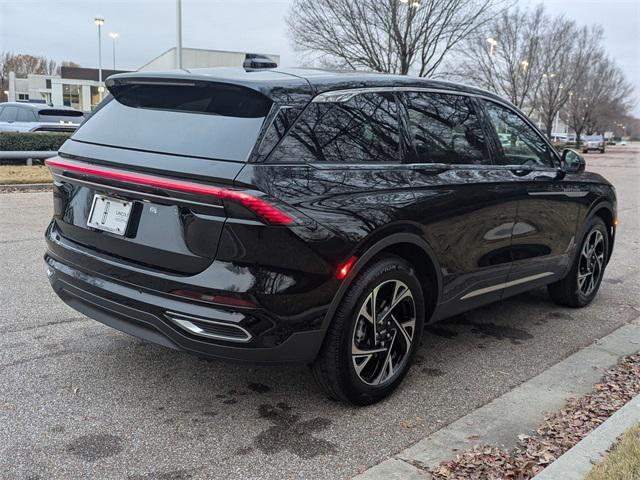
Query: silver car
{"type": "Point", "coordinates": [593, 142]}
{"type": "Point", "coordinates": [38, 117]}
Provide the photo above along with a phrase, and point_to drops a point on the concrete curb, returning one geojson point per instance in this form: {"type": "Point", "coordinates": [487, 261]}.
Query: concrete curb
{"type": "Point", "coordinates": [518, 411]}
{"type": "Point", "coordinates": [579, 460]}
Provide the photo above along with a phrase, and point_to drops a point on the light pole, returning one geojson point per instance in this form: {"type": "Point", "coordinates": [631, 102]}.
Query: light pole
{"type": "Point", "coordinates": [113, 36]}
{"type": "Point", "coordinates": [524, 64]}
{"type": "Point", "coordinates": [99, 21]}
{"type": "Point", "coordinates": [492, 43]}
{"type": "Point", "coordinates": [179, 34]}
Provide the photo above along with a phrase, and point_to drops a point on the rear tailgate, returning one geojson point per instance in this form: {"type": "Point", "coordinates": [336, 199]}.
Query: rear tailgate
{"type": "Point", "coordinates": [160, 158]}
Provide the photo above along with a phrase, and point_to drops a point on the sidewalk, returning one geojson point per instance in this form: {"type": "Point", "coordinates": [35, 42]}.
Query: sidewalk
{"type": "Point", "coordinates": [501, 421]}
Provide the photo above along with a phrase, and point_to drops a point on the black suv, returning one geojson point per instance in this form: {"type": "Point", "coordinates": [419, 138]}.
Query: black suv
{"type": "Point", "coordinates": [306, 216]}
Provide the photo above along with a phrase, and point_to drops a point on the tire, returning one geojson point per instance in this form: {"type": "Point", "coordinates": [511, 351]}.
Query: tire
{"type": "Point", "coordinates": [570, 291]}
{"type": "Point", "coordinates": [354, 378]}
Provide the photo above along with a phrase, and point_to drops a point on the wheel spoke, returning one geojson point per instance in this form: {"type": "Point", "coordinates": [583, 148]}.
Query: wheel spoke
{"type": "Point", "coordinates": [360, 366]}
{"type": "Point", "coordinates": [387, 366]}
{"type": "Point", "coordinates": [400, 292]}
{"type": "Point", "coordinates": [403, 330]}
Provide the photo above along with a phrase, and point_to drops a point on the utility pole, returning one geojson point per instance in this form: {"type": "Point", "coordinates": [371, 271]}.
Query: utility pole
{"type": "Point", "coordinates": [179, 34]}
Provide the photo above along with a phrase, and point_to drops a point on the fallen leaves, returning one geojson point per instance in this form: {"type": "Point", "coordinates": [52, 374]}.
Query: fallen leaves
{"type": "Point", "coordinates": [557, 434]}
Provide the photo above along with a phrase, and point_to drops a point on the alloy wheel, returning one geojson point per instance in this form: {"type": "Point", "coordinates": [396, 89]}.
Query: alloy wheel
{"type": "Point", "coordinates": [591, 263]}
{"type": "Point", "coordinates": [384, 333]}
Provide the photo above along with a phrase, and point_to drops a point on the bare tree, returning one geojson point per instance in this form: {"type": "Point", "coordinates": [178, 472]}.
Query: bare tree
{"type": "Point", "coordinates": [568, 49]}
{"type": "Point", "coordinates": [600, 99]}
{"type": "Point", "coordinates": [385, 35]}
{"type": "Point", "coordinates": [23, 65]}
{"type": "Point", "coordinates": [512, 66]}
{"type": "Point", "coordinates": [535, 60]}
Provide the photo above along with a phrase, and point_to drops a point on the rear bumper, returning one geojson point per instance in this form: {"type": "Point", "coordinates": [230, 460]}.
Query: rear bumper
{"type": "Point", "coordinates": [146, 315]}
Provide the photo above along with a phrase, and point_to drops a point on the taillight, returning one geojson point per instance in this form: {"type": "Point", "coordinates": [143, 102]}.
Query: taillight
{"type": "Point", "coordinates": [253, 203]}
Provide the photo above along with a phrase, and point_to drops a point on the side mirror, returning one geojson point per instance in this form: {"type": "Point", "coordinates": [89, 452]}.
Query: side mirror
{"type": "Point", "coordinates": [572, 161]}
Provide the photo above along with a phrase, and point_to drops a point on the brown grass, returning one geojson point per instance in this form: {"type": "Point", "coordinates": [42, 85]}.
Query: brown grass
{"type": "Point", "coordinates": [19, 174]}
{"type": "Point", "coordinates": [623, 462]}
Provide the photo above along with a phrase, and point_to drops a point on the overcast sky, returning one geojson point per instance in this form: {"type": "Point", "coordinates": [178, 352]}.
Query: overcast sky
{"type": "Point", "coordinates": [64, 29]}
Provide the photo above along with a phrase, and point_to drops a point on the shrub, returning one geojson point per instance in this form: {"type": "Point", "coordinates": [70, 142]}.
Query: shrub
{"type": "Point", "coordinates": [31, 141]}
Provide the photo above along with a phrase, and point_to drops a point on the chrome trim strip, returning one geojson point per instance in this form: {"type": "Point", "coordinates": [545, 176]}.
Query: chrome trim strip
{"type": "Point", "coordinates": [502, 286]}
{"type": "Point", "coordinates": [184, 322]}
{"type": "Point", "coordinates": [344, 95]}
{"type": "Point", "coordinates": [567, 193]}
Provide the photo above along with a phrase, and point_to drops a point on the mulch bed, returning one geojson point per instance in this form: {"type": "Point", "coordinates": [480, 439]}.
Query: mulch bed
{"type": "Point", "coordinates": [25, 188]}
{"type": "Point", "coordinates": [557, 434]}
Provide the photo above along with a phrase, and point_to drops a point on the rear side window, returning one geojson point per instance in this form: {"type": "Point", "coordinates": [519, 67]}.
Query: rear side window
{"type": "Point", "coordinates": [446, 129]}
{"type": "Point", "coordinates": [25, 115]}
{"type": "Point", "coordinates": [518, 143]}
{"type": "Point", "coordinates": [217, 121]}
{"type": "Point", "coordinates": [363, 129]}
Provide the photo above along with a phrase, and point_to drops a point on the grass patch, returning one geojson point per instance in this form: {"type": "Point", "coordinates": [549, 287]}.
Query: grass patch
{"type": "Point", "coordinates": [19, 174]}
{"type": "Point", "coordinates": [623, 462]}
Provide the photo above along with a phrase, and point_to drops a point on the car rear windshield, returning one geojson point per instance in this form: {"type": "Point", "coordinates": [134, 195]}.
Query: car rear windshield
{"type": "Point", "coordinates": [210, 120]}
{"type": "Point", "coordinates": [58, 116]}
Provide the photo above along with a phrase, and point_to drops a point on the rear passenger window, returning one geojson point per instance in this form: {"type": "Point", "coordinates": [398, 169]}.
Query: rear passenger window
{"type": "Point", "coordinates": [361, 130]}
{"type": "Point", "coordinates": [446, 129]}
{"type": "Point", "coordinates": [518, 143]}
{"type": "Point", "coordinates": [25, 115]}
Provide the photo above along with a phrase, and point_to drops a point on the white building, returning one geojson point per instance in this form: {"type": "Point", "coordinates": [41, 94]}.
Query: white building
{"type": "Point", "coordinates": [75, 87]}
{"type": "Point", "coordinates": [78, 87]}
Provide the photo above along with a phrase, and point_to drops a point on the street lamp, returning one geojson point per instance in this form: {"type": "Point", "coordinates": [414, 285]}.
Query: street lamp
{"type": "Point", "coordinates": [113, 36]}
{"type": "Point", "coordinates": [524, 64]}
{"type": "Point", "coordinates": [492, 43]}
{"type": "Point", "coordinates": [99, 21]}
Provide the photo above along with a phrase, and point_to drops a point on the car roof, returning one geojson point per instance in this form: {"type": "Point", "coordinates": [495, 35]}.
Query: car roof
{"type": "Point", "coordinates": [36, 106]}
{"type": "Point", "coordinates": [278, 82]}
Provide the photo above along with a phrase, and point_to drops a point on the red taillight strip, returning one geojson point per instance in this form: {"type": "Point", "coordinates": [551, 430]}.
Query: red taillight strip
{"type": "Point", "coordinates": [255, 204]}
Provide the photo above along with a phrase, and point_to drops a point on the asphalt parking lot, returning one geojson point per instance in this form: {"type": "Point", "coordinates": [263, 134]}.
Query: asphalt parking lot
{"type": "Point", "coordinates": [79, 400]}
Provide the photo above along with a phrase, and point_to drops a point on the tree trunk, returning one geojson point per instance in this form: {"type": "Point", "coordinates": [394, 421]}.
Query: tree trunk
{"type": "Point", "coordinates": [548, 125]}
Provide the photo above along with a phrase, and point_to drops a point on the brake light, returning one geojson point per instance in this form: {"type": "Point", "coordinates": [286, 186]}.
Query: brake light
{"type": "Point", "coordinates": [255, 204]}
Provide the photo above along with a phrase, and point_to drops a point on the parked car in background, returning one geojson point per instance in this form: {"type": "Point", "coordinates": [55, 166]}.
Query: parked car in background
{"type": "Point", "coordinates": [36, 117]}
{"type": "Point", "coordinates": [306, 216]}
{"type": "Point", "coordinates": [593, 142]}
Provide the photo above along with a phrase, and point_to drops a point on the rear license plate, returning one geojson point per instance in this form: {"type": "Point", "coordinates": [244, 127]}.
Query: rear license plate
{"type": "Point", "coordinates": [109, 214]}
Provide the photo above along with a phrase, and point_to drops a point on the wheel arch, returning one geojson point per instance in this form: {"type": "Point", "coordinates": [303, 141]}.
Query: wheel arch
{"type": "Point", "coordinates": [409, 246]}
